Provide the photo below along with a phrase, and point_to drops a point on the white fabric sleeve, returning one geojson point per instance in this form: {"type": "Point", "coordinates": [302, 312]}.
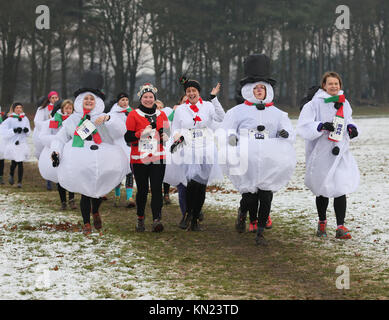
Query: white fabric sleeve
{"type": "Point", "coordinates": [39, 119]}
{"type": "Point", "coordinates": [307, 125]}
{"type": "Point", "coordinates": [219, 113]}
{"type": "Point", "coordinates": [59, 141]}
{"type": "Point", "coordinates": [286, 124]}
{"type": "Point", "coordinates": [115, 127]}
{"type": "Point", "coordinates": [5, 130]}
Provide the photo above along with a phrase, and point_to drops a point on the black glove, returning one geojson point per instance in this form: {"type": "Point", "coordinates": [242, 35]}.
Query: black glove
{"type": "Point", "coordinates": [283, 134]}
{"type": "Point", "coordinates": [260, 128]}
{"type": "Point", "coordinates": [233, 140]}
{"type": "Point", "coordinates": [352, 131]}
{"type": "Point", "coordinates": [329, 126]}
{"type": "Point", "coordinates": [176, 144]}
{"type": "Point", "coordinates": [25, 130]}
{"type": "Point", "coordinates": [55, 159]}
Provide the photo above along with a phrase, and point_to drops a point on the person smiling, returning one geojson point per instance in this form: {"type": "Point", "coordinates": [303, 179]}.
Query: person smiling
{"type": "Point", "coordinates": [327, 126]}
{"type": "Point", "coordinates": [88, 161]}
{"type": "Point", "coordinates": [195, 164]}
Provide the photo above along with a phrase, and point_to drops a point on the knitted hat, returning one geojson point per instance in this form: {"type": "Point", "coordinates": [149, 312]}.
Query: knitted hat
{"type": "Point", "coordinates": [189, 83]}
{"type": "Point", "coordinates": [122, 95]}
{"type": "Point", "coordinates": [53, 93]}
{"type": "Point", "coordinates": [147, 87]}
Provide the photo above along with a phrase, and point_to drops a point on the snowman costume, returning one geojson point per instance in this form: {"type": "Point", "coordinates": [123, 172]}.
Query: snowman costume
{"type": "Point", "coordinates": [119, 116]}
{"type": "Point", "coordinates": [95, 168]}
{"type": "Point", "coordinates": [197, 159]}
{"type": "Point", "coordinates": [15, 144]}
{"type": "Point", "coordinates": [46, 136]}
{"type": "Point", "coordinates": [327, 175]}
{"type": "Point", "coordinates": [42, 115]}
{"type": "Point", "coordinates": [260, 160]}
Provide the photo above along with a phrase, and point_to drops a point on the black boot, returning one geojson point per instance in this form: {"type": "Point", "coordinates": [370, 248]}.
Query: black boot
{"type": "Point", "coordinates": [194, 225]}
{"type": "Point", "coordinates": [157, 225]}
{"type": "Point", "coordinates": [140, 226]}
{"type": "Point", "coordinates": [260, 239]}
{"type": "Point", "coordinates": [240, 224]}
{"type": "Point", "coordinates": [184, 223]}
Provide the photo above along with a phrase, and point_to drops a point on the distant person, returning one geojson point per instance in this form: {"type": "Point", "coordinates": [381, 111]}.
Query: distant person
{"type": "Point", "coordinates": [15, 130]}
{"type": "Point", "coordinates": [45, 107]}
{"type": "Point", "coordinates": [3, 116]}
{"type": "Point", "coordinates": [121, 109]}
{"type": "Point", "coordinates": [49, 129]}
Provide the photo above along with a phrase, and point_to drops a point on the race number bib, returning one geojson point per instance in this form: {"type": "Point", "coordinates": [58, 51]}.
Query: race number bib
{"type": "Point", "coordinates": [198, 137]}
{"type": "Point", "coordinates": [258, 135]}
{"type": "Point", "coordinates": [86, 129]}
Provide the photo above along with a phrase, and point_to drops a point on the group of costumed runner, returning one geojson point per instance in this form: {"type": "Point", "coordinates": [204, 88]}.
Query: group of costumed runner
{"type": "Point", "coordinates": [90, 148]}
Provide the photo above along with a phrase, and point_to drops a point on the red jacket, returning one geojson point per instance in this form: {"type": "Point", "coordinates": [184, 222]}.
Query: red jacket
{"type": "Point", "coordinates": [149, 149]}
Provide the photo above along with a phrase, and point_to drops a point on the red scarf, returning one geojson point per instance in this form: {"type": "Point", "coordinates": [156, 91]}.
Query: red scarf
{"type": "Point", "coordinates": [195, 109]}
{"type": "Point", "coordinates": [50, 107]}
{"type": "Point", "coordinates": [255, 104]}
{"type": "Point", "coordinates": [57, 122]}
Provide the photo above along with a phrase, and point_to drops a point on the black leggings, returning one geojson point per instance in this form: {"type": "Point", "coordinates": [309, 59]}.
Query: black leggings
{"type": "Point", "coordinates": [62, 193]}
{"type": "Point", "coordinates": [1, 168]}
{"type": "Point", "coordinates": [145, 173]}
{"type": "Point", "coordinates": [340, 205]}
{"type": "Point", "coordinates": [166, 188]}
{"type": "Point", "coordinates": [195, 198]}
{"type": "Point", "coordinates": [250, 201]}
{"type": "Point", "coordinates": [86, 204]}
{"type": "Point", "coordinates": [20, 170]}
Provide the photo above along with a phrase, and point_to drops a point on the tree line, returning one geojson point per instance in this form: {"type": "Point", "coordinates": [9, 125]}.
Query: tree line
{"type": "Point", "coordinates": [132, 41]}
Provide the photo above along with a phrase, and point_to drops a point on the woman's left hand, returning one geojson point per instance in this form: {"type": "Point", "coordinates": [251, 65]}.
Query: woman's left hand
{"type": "Point", "coordinates": [100, 120]}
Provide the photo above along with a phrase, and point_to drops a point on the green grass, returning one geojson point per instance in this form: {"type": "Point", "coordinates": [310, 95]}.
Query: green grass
{"type": "Point", "coordinates": [219, 263]}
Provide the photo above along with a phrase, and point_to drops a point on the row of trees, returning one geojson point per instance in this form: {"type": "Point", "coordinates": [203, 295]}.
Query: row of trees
{"type": "Point", "coordinates": [131, 41]}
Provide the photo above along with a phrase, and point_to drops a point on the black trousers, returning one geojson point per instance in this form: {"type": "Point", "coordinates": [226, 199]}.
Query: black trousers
{"type": "Point", "coordinates": [250, 202]}
{"type": "Point", "coordinates": [195, 198]}
{"type": "Point", "coordinates": [62, 193]}
{"type": "Point", "coordinates": [1, 168]}
{"type": "Point", "coordinates": [86, 204]}
{"type": "Point", "coordinates": [15, 164]}
{"type": "Point", "coordinates": [166, 188]}
{"type": "Point", "coordinates": [340, 206]}
{"type": "Point", "coordinates": [145, 175]}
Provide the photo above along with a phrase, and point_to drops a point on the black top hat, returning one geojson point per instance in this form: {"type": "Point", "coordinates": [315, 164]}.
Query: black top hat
{"type": "Point", "coordinates": [257, 68]}
{"type": "Point", "coordinates": [91, 81]}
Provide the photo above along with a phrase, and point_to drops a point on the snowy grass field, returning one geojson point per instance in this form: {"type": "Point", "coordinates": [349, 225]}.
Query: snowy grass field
{"type": "Point", "coordinates": [43, 254]}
